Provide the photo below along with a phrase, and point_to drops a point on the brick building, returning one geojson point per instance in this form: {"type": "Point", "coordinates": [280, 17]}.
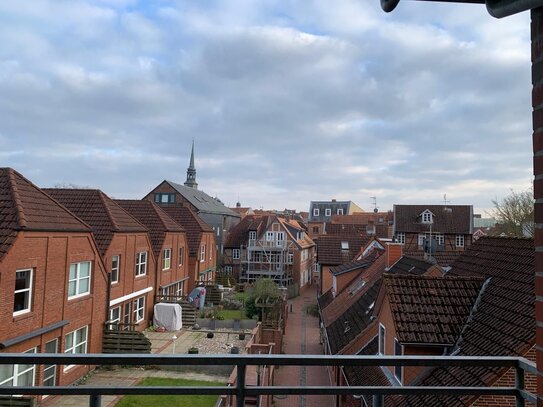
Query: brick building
{"type": "Point", "coordinates": [126, 250]}
{"type": "Point", "coordinates": [53, 283]}
{"type": "Point", "coordinates": [169, 243]}
{"type": "Point", "coordinates": [202, 248]}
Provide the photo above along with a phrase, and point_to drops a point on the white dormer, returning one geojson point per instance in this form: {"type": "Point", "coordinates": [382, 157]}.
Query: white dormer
{"type": "Point", "coordinates": [427, 216]}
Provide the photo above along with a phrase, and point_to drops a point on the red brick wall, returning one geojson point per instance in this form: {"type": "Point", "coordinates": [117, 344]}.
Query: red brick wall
{"type": "Point", "coordinates": [326, 279]}
{"type": "Point", "coordinates": [50, 256]}
{"type": "Point", "coordinates": [176, 272]}
{"type": "Point", "coordinates": [508, 380]}
{"type": "Point", "coordinates": [537, 103]}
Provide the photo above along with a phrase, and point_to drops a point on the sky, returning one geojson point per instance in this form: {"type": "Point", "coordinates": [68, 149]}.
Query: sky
{"type": "Point", "coordinates": [287, 101]}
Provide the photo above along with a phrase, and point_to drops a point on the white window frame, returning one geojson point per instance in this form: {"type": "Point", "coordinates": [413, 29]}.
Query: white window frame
{"type": "Point", "coordinates": [167, 259]}
{"type": "Point", "coordinates": [23, 290]}
{"type": "Point", "coordinates": [328, 212]}
{"type": "Point", "coordinates": [16, 374]}
{"type": "Point", "coordinates": [460, 241]}
{"type": "Point", "coordinates": [78, 279]}
{"type": "Point", "coordinates": [382, 339]}
{"type": "Point", "coordinates": [427, 217]}
{"type": "Point", "coordinates": [280, 238]}
{"type": "Point", "coordinates": [421, 238]}
{"type": "Point", "coordinates": [440, 238]}
{"type": "Point", "coordinates": [400, 237]}
{"type": "Point", "coordinates": [181, 259]}
{"type": "Point", "coordinates": [112, 317]}
{"type": "Point", "coordinates": [202, 253]}
{"type": "Point", "coordinates": [141, 264]}
{"type": "Point", "coordinates": [290, 258]}
{"type": "Point", "coordinates": [236, 254]}
{"type": "Point", "coordinates": [74, 346]}
{"type": "Point", "coordinates": [270, 236]}
{"type": "Point", "coordinates": [316, 212]}
{"type": "Point", "coordinates": [396, 370]}
{"type": "Point", "coordinates": [228, 270]}
{"type": "Point", "coordinates": [138, 307]}
{"type": "Point", "coordinates": [115, 271]}
{"type": "Point", "coordinates": [252, 235]}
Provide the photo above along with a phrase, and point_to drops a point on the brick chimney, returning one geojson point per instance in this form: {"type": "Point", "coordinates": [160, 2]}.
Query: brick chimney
{"type": "Point", "coordinates": [394, 252]}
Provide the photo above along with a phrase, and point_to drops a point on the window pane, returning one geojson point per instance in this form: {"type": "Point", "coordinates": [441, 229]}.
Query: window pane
{"type": "Point", "coordinates": [21, 301]}
{"type": "Point", "coordinates": [72, 271]}
{"type": "Point", "coordinates": [22, 279]}
{"type": "Point", "coordinates": [6, 371]}
{"type": "Point", "coordinates": [84, 286]}
{"type": "Point", "coordinates": [84, 269]}
{"type": "Point", "coordinates": [26, 379]}
{"type": "Point", "coordinates": [69, 340]}
{"type": "Point", "coordinates": [71, 288]}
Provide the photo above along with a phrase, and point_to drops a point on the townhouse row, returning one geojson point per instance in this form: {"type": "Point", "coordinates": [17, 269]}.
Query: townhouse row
{"type": "Point", "coordinates": [72, 259]}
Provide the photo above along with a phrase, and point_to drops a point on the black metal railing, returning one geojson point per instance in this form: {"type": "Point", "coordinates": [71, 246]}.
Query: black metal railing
{"type": "Point", "coordinates": [241, 390]}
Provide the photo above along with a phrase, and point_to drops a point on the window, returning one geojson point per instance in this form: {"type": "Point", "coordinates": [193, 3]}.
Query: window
{"type": "Point", "coordinates": [228, 270]}
{"type": "Point", "coordinates": [79, 281]}
{"type": "Point", "coordinates": [398, 351]}
{"type": "Point", "coordinates": [50, 371]}
{"type": "Point", "coordinates": [427, 217]}
{"type": "Point", "coordinates": [76, 342]}
{"type": "Point", "coordinates": [422, 238]}
{"type": "Point", "coordinates": [18, 375]}
{"type": "Point", "coordinates": [328, 212]}
{"type": "Point", "coordinates": [115, 314]}
{"type": "Point", "coordinates": [252, 235]}
{"type": "Point", "coordinates": [270, 236]}
{"type": "Point", "coordinates": [344, 245]}
{"type": "Point", "coordinates": [440, 238]}
{"type": "Point", "coordinates": [139, 309]}
{"type": "Point", "coordinates": [315, 211]}
{"type": "Point", "coordinates": [280, 238]}
{"type": "Point", "coordinates": [459, 240]}
{"type": "Point", "coordinates": [381, 339]}
{"type": "Point", "coordinates": [400, 237]}
{"type": "Point", "coordinates": [203, 252]}
{"type": "Point", "coordinates": [141, 264]}
{"type": "Point", "coordinates": [166, 259]}
{"type": "Point", "coordinates": [315, 229]}
{"type": "Point", "coordinates": [236, 254]}
{"type": "Point", "coordinates": [181, 255]}
{"type": "Point", "coordinates": [165, 198]}
{"type": "Point", "coordinates": [115, 264]}
{"type": "Point", "coordinates": [290, 258]}
{"type": "Point", "coordinates": [339, 211]}
{"type": "Point", "coordinates": [23, 292]}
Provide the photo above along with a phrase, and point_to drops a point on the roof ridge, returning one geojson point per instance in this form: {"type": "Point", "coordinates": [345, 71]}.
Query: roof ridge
{"type": "Point", "coordinates": [108, 213]}
{"type": "Point", "coordinates": [21, 218]}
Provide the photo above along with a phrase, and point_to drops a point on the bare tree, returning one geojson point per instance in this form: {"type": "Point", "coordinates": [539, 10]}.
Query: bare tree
{"type": "Point", "coordinates": [515, 213]}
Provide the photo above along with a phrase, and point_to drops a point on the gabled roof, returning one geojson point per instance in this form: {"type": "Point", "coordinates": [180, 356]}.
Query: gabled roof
{"type": "Point", "coordinates": [504, 321]}
{"type": "Point", "coordinates": [430, 310]}
{"type": "Point", "coordinates": [154, 218]}
{"type": "Point", "coordinates": [353, 266]}
{"type": "Point", "coordinates": [410, 265]}
{"type": "Point", "coordinates": [98, 210]}
{"type": "Point", "coordinates": [354, 320]}
{"type": "Point", "coordinates": [329, 251]}
{"type": "Point", "coordinates": [24, 206]}
{"type": "Point", "coordinates": [443, 258]}
{"type": "Point", "coordinates": [202, 201]}
{"type": "Point", "coordinates": [457, 219]}
{"type": "Point", "coordinates": [191, 222]}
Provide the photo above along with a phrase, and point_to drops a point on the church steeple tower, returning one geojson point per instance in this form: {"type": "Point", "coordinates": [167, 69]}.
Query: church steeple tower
{"type": "Point", "coordinates": [191, 171]}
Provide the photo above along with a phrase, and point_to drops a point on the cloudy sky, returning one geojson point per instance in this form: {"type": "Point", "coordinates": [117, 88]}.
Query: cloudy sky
{"type": "Point", "coordinates": [288, 101]}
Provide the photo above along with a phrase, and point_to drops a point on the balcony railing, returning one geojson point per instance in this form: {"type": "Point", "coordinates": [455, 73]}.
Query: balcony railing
{"type": "Point", "coordinates": [241, 390]}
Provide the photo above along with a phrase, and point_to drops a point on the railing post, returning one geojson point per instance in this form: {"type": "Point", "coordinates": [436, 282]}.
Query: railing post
{"type": "Point", "coordinates": [95, 400]}
{"type": "Point", "coordinates": [519, 384]}
{"type": "Point", "coordinates": [240, 385]}
{"type": "Point", "coordinates": [378, 400]}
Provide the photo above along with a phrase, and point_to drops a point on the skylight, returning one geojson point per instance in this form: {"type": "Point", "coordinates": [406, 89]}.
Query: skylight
{"type": "Point", "coordinates": [344, 245]}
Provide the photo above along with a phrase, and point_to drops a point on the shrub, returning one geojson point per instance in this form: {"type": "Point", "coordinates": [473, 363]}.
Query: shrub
{"type": "Point", "coordinates": [312, 309]}
{"type": "Point", "coordinates": [231, 304]}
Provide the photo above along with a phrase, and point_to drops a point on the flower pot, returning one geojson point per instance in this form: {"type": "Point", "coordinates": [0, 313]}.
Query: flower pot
{"type": "Point", "coordinates": [193, 351]}
{"type": "Point", "coordinates": [234, 350]}
{"type": "Point", "coordinates": [210, 335]}
{"type": "Point", "coordinates": [241, 337]}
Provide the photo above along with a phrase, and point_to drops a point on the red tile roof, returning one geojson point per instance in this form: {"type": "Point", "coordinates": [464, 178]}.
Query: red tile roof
{"type": "Point", "coordinates": [191, 222]}
{"type": "Point", "coordinates": [455, 219]}
{"type": "Point", "coordinates": [431, 310]}
{"type": "Point", "coordinates": [99, 211]}
{"type": "Point", "coordinates": [329, 251]}
{"type": "Point", "coordinates": [504, 321]}
{"type": "Point", "coordinates": [24, 206]}
{"type": "Point", "coordinates": [154, 218]}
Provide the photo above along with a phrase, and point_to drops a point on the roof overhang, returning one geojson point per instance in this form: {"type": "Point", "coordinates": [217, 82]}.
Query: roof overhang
{"type": "Point", "coordinates": [496, 8]}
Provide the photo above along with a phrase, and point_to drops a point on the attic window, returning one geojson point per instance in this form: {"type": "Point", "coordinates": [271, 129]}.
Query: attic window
{"type": "Point", "coordinates": [344, 245]}
{"type": "Point", "coordinates": [359, 285]}
{"type": "Point", "coordinates": [370, 307]}
{"type": "Point", "coordinates": [347, 327]}
{"type": "Point", "coordinates": [427, 216]}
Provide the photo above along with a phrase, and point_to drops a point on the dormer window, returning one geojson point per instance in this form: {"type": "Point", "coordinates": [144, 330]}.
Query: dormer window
{"type": "Point", "coordinates": [252, 235]}
{"type": "Point", "coordinates": [427, 217]}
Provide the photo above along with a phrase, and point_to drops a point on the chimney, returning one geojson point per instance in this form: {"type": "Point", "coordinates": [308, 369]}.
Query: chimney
{"type": "Point", "coordinates": [394, 252]}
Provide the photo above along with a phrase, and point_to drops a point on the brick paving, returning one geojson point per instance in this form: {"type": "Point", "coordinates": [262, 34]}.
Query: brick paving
{"type": "Point", "coordinates": [302, 337]}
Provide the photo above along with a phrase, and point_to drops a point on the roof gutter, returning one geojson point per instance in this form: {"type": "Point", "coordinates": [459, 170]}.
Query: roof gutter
{"type": "Point", "coordinates": [496, 8]}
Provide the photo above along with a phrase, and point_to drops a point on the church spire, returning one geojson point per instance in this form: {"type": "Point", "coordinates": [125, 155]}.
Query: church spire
{"type": "Point", "coordinates": [191, 171]}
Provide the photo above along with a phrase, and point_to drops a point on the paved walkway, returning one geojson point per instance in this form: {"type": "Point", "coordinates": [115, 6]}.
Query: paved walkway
{"type": "Point", "coordinates": [302, 337]}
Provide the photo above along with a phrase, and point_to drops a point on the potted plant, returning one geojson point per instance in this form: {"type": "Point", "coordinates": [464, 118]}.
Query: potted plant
{"type": "Point", "coordinates": [193, 350]}
{"type": "Point", "coordinates": [241, 336]}
{"type": "Point", "coordinates": [234, 350]}
{"type": "Point", "coordinates": [210, 335]}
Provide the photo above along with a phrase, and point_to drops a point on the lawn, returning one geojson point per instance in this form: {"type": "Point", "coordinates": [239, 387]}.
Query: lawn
{"type": "Point", "coordinates": [170, 401]}
{"type": "Point", "coordinates": [232, 314]}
